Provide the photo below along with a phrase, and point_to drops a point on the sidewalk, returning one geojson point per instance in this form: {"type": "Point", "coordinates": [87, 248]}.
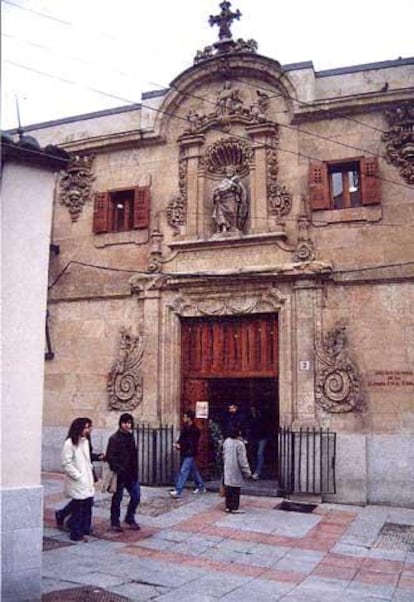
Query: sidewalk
{"type": "Point", "coordinates": [189, 550]}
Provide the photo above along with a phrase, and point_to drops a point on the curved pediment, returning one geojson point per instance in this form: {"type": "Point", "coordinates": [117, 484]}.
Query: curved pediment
{"type": "Point", "coordinates": [196, 100]}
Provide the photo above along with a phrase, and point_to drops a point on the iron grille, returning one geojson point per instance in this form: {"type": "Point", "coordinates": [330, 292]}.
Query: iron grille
{"type": "Point", "coordinates": [306, 461]}
{"type": "Point", "coordinates": [157, 460]}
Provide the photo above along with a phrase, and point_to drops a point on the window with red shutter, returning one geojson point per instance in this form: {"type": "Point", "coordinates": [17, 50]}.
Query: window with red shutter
{"type": "Point", "coordinates": [344, 184]}
{"type": "Point", "coordinates": [370, 183]}
{"type": "Point", "coordinates": [101, 213]}
{"type": "Point", "coordinates": [121, 210]}
{"type": "Point", "coordinates": [319, 186]}
{"type": "Point", "coordinates": [141, 207]}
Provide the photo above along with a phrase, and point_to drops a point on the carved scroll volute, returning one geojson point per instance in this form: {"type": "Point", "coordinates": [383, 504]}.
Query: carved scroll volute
{"type": "Point", "coordinates": [125, 381]}
{"type": "Point", "coordinates": [338, 383]}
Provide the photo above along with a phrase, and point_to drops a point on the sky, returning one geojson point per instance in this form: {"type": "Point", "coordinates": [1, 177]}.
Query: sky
{"type": "Point", "coordinates": [62, 58]}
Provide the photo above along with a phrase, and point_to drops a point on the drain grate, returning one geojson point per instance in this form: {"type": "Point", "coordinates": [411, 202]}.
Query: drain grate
{"type": "Point", "coordinates": [83, 594]}
{"type": "Point", "coordinates": [394, 536]}
{"type": "Point", "coordinates": [296, 507]}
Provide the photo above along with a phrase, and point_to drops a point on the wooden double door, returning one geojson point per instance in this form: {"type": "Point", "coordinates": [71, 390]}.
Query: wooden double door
{"type": "Point", "coordinates": [230, 359]}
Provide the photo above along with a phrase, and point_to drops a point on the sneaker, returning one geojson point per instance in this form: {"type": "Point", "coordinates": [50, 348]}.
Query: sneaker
{"type": "Point", "coordinates": [133, 525]}
{"type": "Point", "coordinates": [199, 490]}
{"type": "Point", "coordinates": [238, 512]}
{"type": "Point", "coordinates": [117, 528]}
{"type": "Point", "coordinates": [227, 510]}
{"type": "Point", "coordinates": [255, 476]}
{"type": "Point", "coordinates": [174, 493]}
{"type": "Point", "coordinates": [59, 519]}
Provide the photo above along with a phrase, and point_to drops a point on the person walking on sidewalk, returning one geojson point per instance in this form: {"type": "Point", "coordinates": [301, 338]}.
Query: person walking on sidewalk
{"type": "Point", "coordinates": [65, 512]}
{"type": "Point", "coordinates": [122, 457]}
{"type": "Point", "coordinates": [236, 467]}
{"type": "Point", "coordinates": [188, 446]}
{"type": "Point", "coordinates": [79, 484]}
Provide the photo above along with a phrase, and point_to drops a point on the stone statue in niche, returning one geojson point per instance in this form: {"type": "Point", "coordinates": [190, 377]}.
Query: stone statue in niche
{"type": "Point", "coordinates": [230, 203]}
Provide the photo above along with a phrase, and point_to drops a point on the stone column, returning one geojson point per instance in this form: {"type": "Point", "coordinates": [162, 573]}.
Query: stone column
{"type": "Point", "coordinates": [262, 136]}
{"type": "Point", "coordinates": [304, 353]}
{"type": "Point", "coordinates": [191, 146]}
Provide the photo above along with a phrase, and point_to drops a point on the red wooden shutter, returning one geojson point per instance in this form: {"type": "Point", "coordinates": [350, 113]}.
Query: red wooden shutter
{"type": "Point", "coordinates": [141, 207]}
{"type": "Point", "coordinates": [319, 186]}
{"type": "Point", "coordinates": [101, 213]}
{"type": "Point", "coordinates": [370, 183]}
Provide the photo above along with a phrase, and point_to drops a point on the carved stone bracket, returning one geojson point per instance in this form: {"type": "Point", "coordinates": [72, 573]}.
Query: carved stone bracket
{"type": "Point", "coordinates": [125, 381]}
{"type": "Point", "coordinates": [76, 183]}
{"type": "Point", "coordinates": [400, 140]}
{"type": "Point", "coordinates": [338, 383]}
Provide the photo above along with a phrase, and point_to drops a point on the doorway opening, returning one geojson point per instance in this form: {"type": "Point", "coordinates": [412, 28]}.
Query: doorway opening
{"type": "Point", "coordinates": [254, 397]}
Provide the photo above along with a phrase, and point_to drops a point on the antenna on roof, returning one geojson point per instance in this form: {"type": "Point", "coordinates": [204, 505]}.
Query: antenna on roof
{"type": "Point", "coordinates": [19, 129]}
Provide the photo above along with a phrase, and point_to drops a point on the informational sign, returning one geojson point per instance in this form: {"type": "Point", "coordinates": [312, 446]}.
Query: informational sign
{"type": "Point", "coordinates": [202, 409]}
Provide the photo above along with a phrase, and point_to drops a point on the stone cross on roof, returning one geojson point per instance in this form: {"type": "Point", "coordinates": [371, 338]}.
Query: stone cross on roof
{"type": "Point", "coordinates": [224, 20]}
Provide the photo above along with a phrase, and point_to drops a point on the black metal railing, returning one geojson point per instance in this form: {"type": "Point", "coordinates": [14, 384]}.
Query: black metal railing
{"type": "Point", "coordinates": [157, 459]}
{"type": "Point", "coordinates": [306, 460]}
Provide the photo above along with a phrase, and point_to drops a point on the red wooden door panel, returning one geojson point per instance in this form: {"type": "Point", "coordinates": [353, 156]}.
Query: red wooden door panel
{"type": "Point", "coordinates": [230, 347]}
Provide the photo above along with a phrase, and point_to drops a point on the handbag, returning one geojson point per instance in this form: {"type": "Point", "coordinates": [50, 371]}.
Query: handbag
{"type": "Point", "coordinates": [110, 482]}
{"type": "Point", "coordinates": [222, 491]}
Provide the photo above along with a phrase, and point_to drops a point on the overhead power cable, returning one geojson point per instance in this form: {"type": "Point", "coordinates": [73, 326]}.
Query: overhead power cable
{"type": "Point", "coordinates": [221, 130]}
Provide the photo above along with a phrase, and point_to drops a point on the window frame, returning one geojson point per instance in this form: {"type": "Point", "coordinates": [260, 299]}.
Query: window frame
{"type": "Point", "coordinates": [320, 187]}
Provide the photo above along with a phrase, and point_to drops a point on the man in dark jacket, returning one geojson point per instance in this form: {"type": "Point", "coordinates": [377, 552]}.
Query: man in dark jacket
{"type": "Point", "coordinates": [188, 446]}
{"type": "Point", "coordinates": [121, 454]}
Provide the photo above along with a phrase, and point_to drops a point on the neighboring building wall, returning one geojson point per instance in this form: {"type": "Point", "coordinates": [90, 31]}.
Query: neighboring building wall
{"type": "Point", "coordinates": [340, 280]}
{"type": "Point", "coordinates": [27, 201]}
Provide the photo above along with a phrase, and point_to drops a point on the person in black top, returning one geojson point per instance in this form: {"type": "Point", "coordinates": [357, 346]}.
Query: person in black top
{"type": "Point", "coordinates": [121, 454]}
{"type": "Point", "coordinates": [188, 446]}
{"type": "Point", "coordinates": [232, 419]}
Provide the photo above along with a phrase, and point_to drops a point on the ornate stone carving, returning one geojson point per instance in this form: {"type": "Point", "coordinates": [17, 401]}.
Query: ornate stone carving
{"type": "Point", "coordinates": [305, 250]}
{"type": "Point", "coordinates": [279, 198]}
{"type": "Point", "coordinates": [400, 140]}
{"type": "Point", "coordinates": [228, 152]}
{"type": "Point", "coordinates": [337, 387]}
{"type": "Point", "coordinates": [177, 207]}
{"type": "Point", "coordinates": [268, 301]}
{"type": "Point", "coordinates": [76, 183]}
{"type": "Point", "coordinates": [125, 381]}
{"type": "Point", "coordinates": [231, 107]}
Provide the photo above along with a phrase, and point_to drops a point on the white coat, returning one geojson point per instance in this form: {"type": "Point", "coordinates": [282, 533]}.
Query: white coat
{"type": "Point", "coordinates": [77, 466]}
{"type": "Point", "coordinates": [236, 465]}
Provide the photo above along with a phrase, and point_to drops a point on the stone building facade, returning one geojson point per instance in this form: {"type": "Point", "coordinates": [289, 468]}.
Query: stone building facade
{"type": "Point", "coordinates": [247, 234]}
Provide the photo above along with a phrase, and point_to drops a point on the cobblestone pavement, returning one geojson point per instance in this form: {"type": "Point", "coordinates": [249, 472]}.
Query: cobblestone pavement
{"type": "Point", "coordinates": [189, 550]}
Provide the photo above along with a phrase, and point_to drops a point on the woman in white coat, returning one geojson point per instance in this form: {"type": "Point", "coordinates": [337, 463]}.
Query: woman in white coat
{"type": "Point", "coordinates": [236, 467]}
{"type": "Point", "coordinates": [79, 482]}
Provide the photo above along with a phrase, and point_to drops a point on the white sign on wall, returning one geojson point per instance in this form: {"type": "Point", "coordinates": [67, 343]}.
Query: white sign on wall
{"type": "Point", "coordinates": [202, 409]}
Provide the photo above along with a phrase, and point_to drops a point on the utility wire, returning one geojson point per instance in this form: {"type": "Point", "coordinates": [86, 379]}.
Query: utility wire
{"type": "Point", "coordinates": [213, 274]}
{"type": "Point", "coordinates": [174, 116]}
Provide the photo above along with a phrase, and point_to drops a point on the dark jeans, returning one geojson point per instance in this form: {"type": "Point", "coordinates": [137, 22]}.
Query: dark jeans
{"type": "Point", "coordinates": [232, 497]}
{"type": "Point", "coordinates": [81, 517]}
{"type": "Point", "coordinates": [134, 491]}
